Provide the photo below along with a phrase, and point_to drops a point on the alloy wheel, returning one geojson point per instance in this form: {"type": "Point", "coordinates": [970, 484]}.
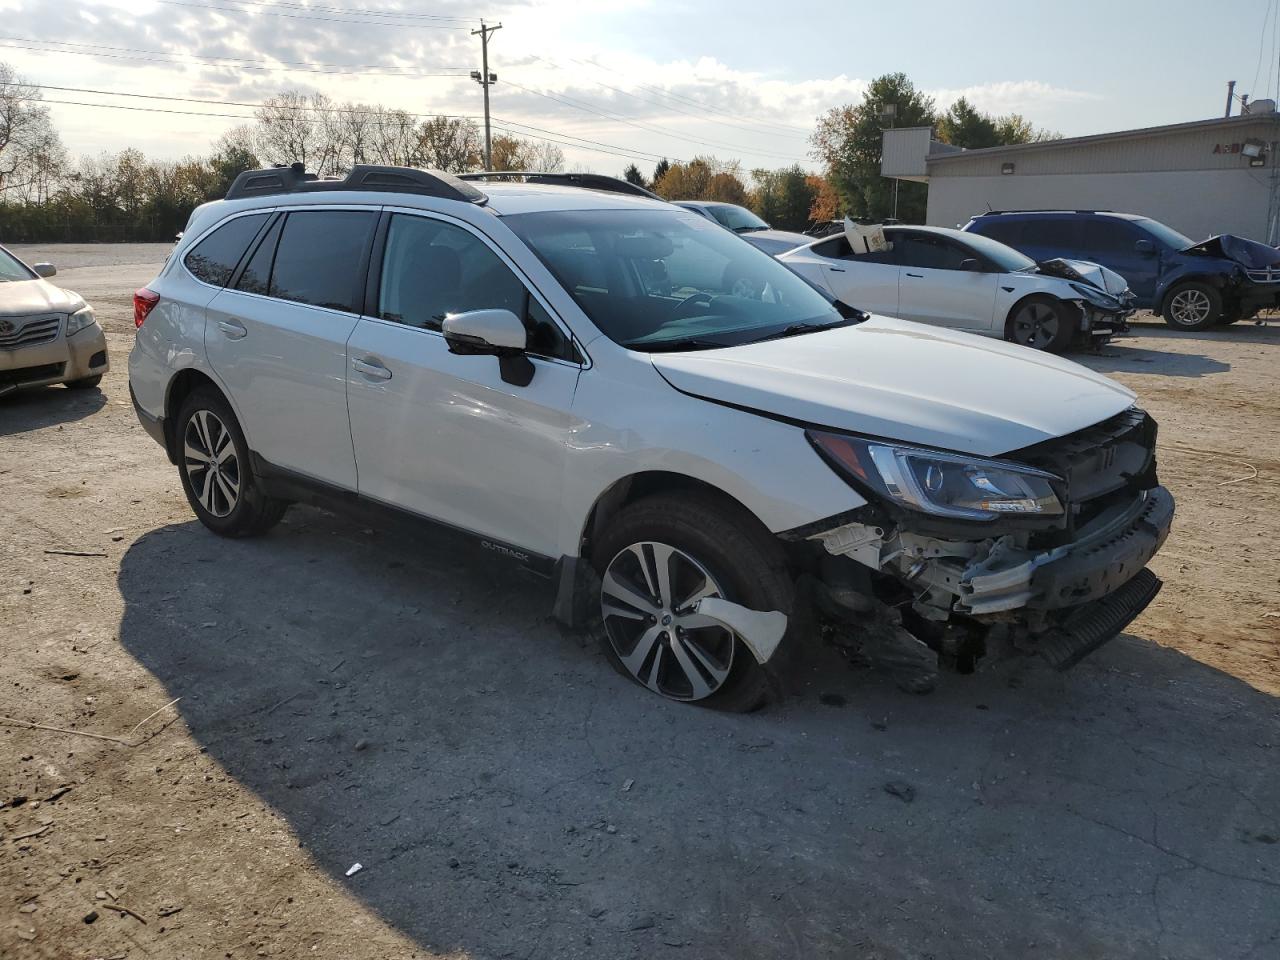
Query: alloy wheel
{"type": "Point", "coordinates": [646, 599]}
{"type": "Point", "coordinates": [213, 468]}
{"type": "Point", "coordinates": [1190, 307]}
{"type": "Point", "coordinates": [1036, 326]}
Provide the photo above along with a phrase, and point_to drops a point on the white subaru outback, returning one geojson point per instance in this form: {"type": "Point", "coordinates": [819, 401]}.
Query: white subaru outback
{"type": "Point", "coordinates": [710, 471]}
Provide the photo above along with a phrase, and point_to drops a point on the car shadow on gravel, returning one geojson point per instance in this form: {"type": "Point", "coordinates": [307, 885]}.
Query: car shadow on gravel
{"type": "Point", "coordinates": [1130, 356]}
{"type": "Point", "coordinates": [26, 410]}
{"type": "Point", "coordinates": [406, 704]}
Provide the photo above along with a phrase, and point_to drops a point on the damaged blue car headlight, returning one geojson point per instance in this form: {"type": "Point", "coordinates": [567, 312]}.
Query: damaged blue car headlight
{"type": "Point", "coordinates": [942, 484]}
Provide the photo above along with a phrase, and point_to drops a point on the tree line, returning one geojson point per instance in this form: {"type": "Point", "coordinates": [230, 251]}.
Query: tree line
{"type": "Point", "coordinates": [45, 195]}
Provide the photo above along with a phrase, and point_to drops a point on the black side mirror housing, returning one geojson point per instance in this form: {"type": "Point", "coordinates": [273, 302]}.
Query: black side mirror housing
{"type": "Point", "coordinates": [1145, 247]}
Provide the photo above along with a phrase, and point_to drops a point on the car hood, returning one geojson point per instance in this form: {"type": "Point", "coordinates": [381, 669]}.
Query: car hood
{"type": "Point", "coordinates": [1250, 254]}
{"type": "Point", "coordinates": [1083, 271]}
{"type": "Point", "coordinates": [775, 241]}
{"type": "Point", "coordinates": [23, 297]}
{"type": "Point", "coordinates": [904, 381]}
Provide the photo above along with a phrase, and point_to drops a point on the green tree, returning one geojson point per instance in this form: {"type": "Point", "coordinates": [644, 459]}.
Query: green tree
{"type": "Point", "coordinates": [633, 175]}
{"type": "Point", "coordinates": [848, 140]}
{"type": "Point", "coordinates": [784, 197]}
{"type": "Point", "coordinates": [963, 126]}
{"type": "Point", "coordinates": [660, 171]}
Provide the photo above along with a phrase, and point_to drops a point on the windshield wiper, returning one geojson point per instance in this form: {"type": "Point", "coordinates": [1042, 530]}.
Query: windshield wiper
{"type": "Point", "coordinates": [796, 329]}
{"type": "Point", "coordinates": [748, 229]}
{"type": "Point", "coordinates": [674, 346]}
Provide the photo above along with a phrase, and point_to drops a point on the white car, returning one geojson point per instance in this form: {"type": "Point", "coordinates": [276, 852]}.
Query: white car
{"type": "Point", "coordinates": [47, 335]}
{"type": "Point", "coordinates": [704, 474]}
{"type": "Point", "coordinates": [969, 282]}
{"type": "Point", "coordinates": [746, 224]}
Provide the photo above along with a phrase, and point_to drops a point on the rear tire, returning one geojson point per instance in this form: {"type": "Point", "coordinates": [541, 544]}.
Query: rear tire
{"type": "Point", "coordinates": [707, 546]}
{"type": "Point", "coordinates": [1192, 306]}
{"type": "Point", "coordinates": [214, 465]}
{"type": "Point", "coordinates": [1041, 322]}
{"type": "Point", "coordinates": [85, 383]}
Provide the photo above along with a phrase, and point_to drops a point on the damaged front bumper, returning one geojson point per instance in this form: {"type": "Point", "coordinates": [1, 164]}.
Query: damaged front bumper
{"type": "Point", "coordinates": [1064, 602]}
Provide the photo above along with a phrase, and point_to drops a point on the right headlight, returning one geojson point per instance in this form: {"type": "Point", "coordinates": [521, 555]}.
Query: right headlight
{"type": "Point", "coordinates": [941, 484]}
{"type": "Point", "coordinates": [79, 320]}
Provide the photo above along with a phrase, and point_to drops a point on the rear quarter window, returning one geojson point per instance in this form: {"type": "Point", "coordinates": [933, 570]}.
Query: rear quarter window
{"type": "Point", "coordinates": [319, 258]}
{"type": "Point", "coordinates": [1010, 232]}
{"type": "Point", "coordinates": [214, 258]}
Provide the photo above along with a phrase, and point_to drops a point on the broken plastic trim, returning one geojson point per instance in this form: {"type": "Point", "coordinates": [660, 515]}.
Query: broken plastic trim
{"type": "Point", "coordinates": [760, 631]}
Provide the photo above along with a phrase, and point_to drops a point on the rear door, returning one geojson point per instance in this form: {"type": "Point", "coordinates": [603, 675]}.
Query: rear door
{"type": "Point", "coordinates": [277, 338]}
{"type": "Point", "coordinates": [934, 287]}
{"type": "Point", "coordinates": [868, 281]}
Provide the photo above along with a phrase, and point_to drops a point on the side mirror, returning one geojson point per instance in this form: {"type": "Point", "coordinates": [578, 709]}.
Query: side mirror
{"type": "Point", "coordinates": [972, 264]}
{"type": "Point", "coordinates": [45, 270]}
{"type": "Point", "coordinates": [495, 333]}
{"type": "Point", "coordinates": [1145, 247]}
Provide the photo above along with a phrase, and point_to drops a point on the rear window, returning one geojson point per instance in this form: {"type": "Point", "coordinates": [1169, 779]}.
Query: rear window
{"type": "Point", "coordinates": [1061, 234]}
{"type": "Point", "coordinates": [318, 258]}
{"type": "Point", "coordinates": [214, 258]}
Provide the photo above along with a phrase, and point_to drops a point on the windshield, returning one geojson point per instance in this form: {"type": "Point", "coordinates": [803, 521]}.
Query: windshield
{"type": "Point", "coordinates": [737, 219]}
{"type": "Point", "coordinates": [1004, 257]}
{"type": "Point", "coordinates": [11, 268]}
{"type": "Point", "coordinates": [1166, 235]}
{"type": "Point", "coordinates": [666, 279]}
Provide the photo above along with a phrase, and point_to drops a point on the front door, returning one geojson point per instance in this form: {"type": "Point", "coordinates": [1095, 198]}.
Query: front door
{"type": "Point", "coordinates": [277, 337]}
{"type": "Point", "coordinates": [443, 435]}
{"type": "Point", "coordinates": [934, 288]}
{"type": "Point", "coordinates": [1113, 243]}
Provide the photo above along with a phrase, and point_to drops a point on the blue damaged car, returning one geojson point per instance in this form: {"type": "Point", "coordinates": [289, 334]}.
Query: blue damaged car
{"type": "Point", "coordinates": [1192, 285]}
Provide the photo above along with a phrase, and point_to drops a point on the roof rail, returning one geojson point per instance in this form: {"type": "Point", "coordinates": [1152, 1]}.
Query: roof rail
{"type": "Point", "coordinates": [986, 213]}
{"type": "Point", "coordinates": [369, 177]}
{"type": "Point", "coordinates": [588, 181]}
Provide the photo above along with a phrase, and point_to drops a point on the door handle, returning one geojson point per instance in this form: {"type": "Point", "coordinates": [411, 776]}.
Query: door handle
{"type": "Point", "coordinates": [371, 368]}
{"type": "Point", "coordinates": [918, 276]}
{"type": "Point", "coordinates": [234, 329]}
{"type": "Point", "coordinates": [836, 269]}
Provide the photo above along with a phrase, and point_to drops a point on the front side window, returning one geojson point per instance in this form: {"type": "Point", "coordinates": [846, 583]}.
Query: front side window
{"type": "Point", "coordinates": [1107, 236]}
{"type": "Point", "coordinates": [1164, 234]}
{"type": "Point", "coordinates": [929, 253]}
{"type": "Point", "coordinates": [666, 279]}
{"type": "Point", "coordinates": [432, 269]}
{"type": "Point", "coordinates": [318, 258]}
{"type": "Point", "coordinates": [214, 258]}
{"type": "Point", "coordinates": [11, 268]}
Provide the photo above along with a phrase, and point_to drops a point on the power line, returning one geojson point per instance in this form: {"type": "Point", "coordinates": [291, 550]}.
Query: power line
{"type": "Point", "coordinates": [581, 144]}
{"type": "Point", "coordinates": [301, 16]}
{"type": "Point", "coordinates": [359, 11]}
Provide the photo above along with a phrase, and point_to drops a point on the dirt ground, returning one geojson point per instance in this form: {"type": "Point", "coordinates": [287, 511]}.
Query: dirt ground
{"type": "Point", "coordinates": [350, 696]}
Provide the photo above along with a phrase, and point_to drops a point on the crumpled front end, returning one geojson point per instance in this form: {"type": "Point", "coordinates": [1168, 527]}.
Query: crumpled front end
{"type": "Point", "coordinates": [1061, 589]}
{"type": "Point", "coordinates": [1103, 298]}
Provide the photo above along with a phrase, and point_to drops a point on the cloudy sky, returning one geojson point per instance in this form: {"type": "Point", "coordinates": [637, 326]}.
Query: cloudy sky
{"type": "Point", "coordinates": [616, 80]}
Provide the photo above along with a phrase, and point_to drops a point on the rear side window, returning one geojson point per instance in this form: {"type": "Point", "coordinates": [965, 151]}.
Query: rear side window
{"type": "Point", "coordinates": [1012, 232]}
{"type": "Point", "coordinates": [214, 258]}
{"type": "Point", "coordinates": [1061, 234]}
{"type": "Point", "coordinates": [318, 258]}
{"type": "Point", "coordinates": [1107, 236]}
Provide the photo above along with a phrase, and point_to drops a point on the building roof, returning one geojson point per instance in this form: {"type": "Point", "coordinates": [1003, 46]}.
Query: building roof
{"type": "Point", "coordinates": [1068, 142]}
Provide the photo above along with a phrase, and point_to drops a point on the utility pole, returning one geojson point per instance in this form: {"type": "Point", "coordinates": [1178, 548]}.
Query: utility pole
{"type": "Point", "coordinates": [1231, 93]}
{"type": "Point", "coordinates": [485, 79]}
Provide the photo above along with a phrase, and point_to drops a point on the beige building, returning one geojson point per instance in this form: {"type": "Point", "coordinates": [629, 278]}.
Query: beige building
{"type": "Point", "coordinates": [1201, 178]}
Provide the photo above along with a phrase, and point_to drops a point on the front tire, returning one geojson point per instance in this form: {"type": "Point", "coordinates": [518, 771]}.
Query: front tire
{"type": "Point", "coordinates": [213, 463]}
{"type": "Point", "coordinates": [654, 560]}
{"type": "Point", "coordinates": [1192, 306]}
{"type": "Point", "coordinates": [1041, 323]}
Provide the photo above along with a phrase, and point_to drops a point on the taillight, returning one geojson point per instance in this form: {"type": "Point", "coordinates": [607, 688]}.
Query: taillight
{"type": "Point", "coordinates": [144, 301]}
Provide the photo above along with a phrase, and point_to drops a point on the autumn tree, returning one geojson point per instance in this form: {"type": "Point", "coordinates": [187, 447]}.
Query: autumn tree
{"type": "Point", "coordinates": [848, 141]}
{"type": "Point", "coordinates": [449, 143]}
{"type": "Point", "coordinates": [703, 178]}
{"type": "Point", "coordinates": [30, 151]}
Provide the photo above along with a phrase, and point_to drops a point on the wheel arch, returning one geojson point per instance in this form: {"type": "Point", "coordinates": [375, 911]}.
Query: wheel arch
{"type": "Point", "coordinates": [636, 486]}
{"type": "Point", "coordinates": [183, 384]}
{"type": "Point", "coordinates": [1212, 279]}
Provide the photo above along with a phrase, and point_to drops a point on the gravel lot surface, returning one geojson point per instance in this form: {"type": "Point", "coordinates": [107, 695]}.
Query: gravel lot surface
{"type": "Point", "coordinates": [351, 696]}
